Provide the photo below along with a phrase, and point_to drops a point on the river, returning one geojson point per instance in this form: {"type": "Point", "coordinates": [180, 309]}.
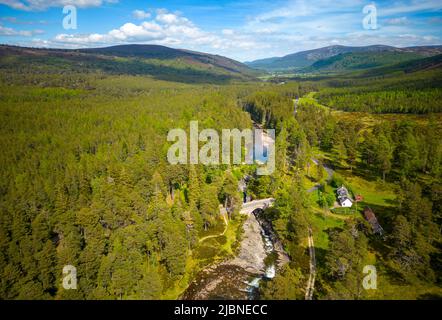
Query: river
{"type": "Point", "coordinates": [260, 256]}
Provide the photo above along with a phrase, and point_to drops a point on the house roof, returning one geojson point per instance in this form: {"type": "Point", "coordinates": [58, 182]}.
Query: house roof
{"type": "Point", "coordinates": [343, 199]}
{"type": "Point", "coordinates": [342, 194]}
{"type": "Point", "coordinates": [342, 191]}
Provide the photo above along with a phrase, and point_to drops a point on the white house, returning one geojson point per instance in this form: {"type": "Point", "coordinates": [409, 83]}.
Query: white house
{"type": "Point", "coordinates": [344, 198]}
{"type": "Point", "coordinates": [346, 203]}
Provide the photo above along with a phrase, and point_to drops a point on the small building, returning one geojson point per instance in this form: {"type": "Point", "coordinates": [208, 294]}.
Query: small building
{"type": "Point", "coordinates": [371, 218]}
{"type": "Point", "coordinates": [346, 203]}
{"type": "Point", "coordinates": [344, 198]}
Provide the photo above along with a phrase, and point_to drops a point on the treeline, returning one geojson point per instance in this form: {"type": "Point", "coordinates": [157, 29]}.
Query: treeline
{"type": "Point", "coordinates": [268, 107]}
{"type": "Point", "coordinates": [84, 181]}
{"type": "Point", "coordinates": [397, 101]}
{"type": "Point", "coordinates": [405, 147]}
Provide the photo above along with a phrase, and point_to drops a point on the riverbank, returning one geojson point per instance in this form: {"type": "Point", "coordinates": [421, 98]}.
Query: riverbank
{"type": "Point", "coordinates": [239, 277]}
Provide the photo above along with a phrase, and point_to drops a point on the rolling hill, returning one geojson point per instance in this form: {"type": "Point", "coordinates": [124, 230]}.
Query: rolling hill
{"type": "Point", "coordinates": [157, 61]}
{"type": "Point", "coordinates": [342, 58]}
{"type": "Point", "coordinates": [359, 61]}
{"type": "Point", "coordinates": [166, 53]}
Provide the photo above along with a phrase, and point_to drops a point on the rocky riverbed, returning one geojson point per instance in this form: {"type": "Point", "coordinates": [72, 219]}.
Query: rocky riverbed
{"type": "Point", "coordinates": [239, 278]}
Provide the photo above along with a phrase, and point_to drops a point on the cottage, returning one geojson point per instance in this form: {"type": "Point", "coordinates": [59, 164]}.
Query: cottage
{"type": "Point", "coordinates": [371, 218]}
{"type": "Point", "coordinates": [346, 203]}
{"type": "Point", "coordinates": [343, 197]}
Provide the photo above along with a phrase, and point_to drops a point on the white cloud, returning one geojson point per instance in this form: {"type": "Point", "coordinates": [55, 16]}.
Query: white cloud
{"type": "Point", "coordinates": [140, 14]}
{"type": "Point", "coordinates": [10, 32]}
{"type": "Point", "coordinates": [14, 20]}
{"type": "Point", "coordinates": [31, 5]}
{"type": "Point", "coordinates": [398, 21]}
{"type": "Point", "coordinates": [227, 32]}
{"type": "Point", "coordinates": [411, 6]}
{"type": "Point", "coordinates": [169, 19]}
{"type": "Point", "coordinates": [299, 25]}
{"type": "Point", "coordinates": [166, 29]}
{"type": "Point", "coordinates": [306, 8]}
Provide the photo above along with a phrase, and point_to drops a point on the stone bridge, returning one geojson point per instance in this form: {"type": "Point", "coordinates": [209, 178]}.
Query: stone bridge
{"type": "Point", "coordinates": [249, 207]}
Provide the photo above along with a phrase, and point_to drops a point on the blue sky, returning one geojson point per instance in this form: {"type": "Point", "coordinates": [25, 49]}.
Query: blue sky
{"type": "Point", "coordinates": [241, 29]}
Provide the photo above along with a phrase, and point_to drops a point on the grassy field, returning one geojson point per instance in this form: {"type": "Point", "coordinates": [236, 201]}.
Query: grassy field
{"type": "Point", "coordinates": [311, 100]}
{"type": "Point", "coordinates": [322, 222]}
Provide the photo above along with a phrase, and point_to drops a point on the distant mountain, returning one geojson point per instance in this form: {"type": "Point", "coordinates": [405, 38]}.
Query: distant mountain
{"type": "Point", "coordinates": [304, 59]}
{"type": "Point", "coordinates": [157, 61]}
{"type": "Point", "coordinates": [263, 64]}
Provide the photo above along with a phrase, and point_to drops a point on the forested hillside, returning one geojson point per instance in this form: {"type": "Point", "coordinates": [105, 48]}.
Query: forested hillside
{"type": "Point", "coordinates": [348, 62]}
{"type": "Point", "coordinates": [343, 58]}
{"type": "Point", "coordinates": [158, 62]}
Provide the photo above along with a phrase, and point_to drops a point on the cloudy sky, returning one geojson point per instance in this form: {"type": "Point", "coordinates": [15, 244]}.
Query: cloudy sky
{"type": "Point", "coordinates": [240, 29]}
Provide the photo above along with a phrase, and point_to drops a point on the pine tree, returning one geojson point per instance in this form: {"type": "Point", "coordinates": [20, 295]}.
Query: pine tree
{"type": "Point", "coordinates": [230, 195]}
{"type": "Point", "coordinates": [194, 189]}
{"type": "Point", "coordinates": [150, 286]}
{"type": "Point", "coordinates": [406, 152]}
{"type": "Point", "coordinates": [209, 205]}
{"type": "Point", "coordinates": [384, 155]}
{"type": "Point", "coordinates": [340, 151]}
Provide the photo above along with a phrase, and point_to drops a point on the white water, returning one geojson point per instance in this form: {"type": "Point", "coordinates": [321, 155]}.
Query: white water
{"type": "Point", "coordinates": [268, 244]}
{"type": "Point", "coordinates": [254, 283]}
{"type": "Point", "coordinates": [270, 270]}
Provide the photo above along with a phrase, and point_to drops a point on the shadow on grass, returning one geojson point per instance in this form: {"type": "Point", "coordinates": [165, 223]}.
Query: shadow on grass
{"type": "Point", "coordinates": [320, 254]}
{"type": "Point", "coordinates": [384, 215]}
